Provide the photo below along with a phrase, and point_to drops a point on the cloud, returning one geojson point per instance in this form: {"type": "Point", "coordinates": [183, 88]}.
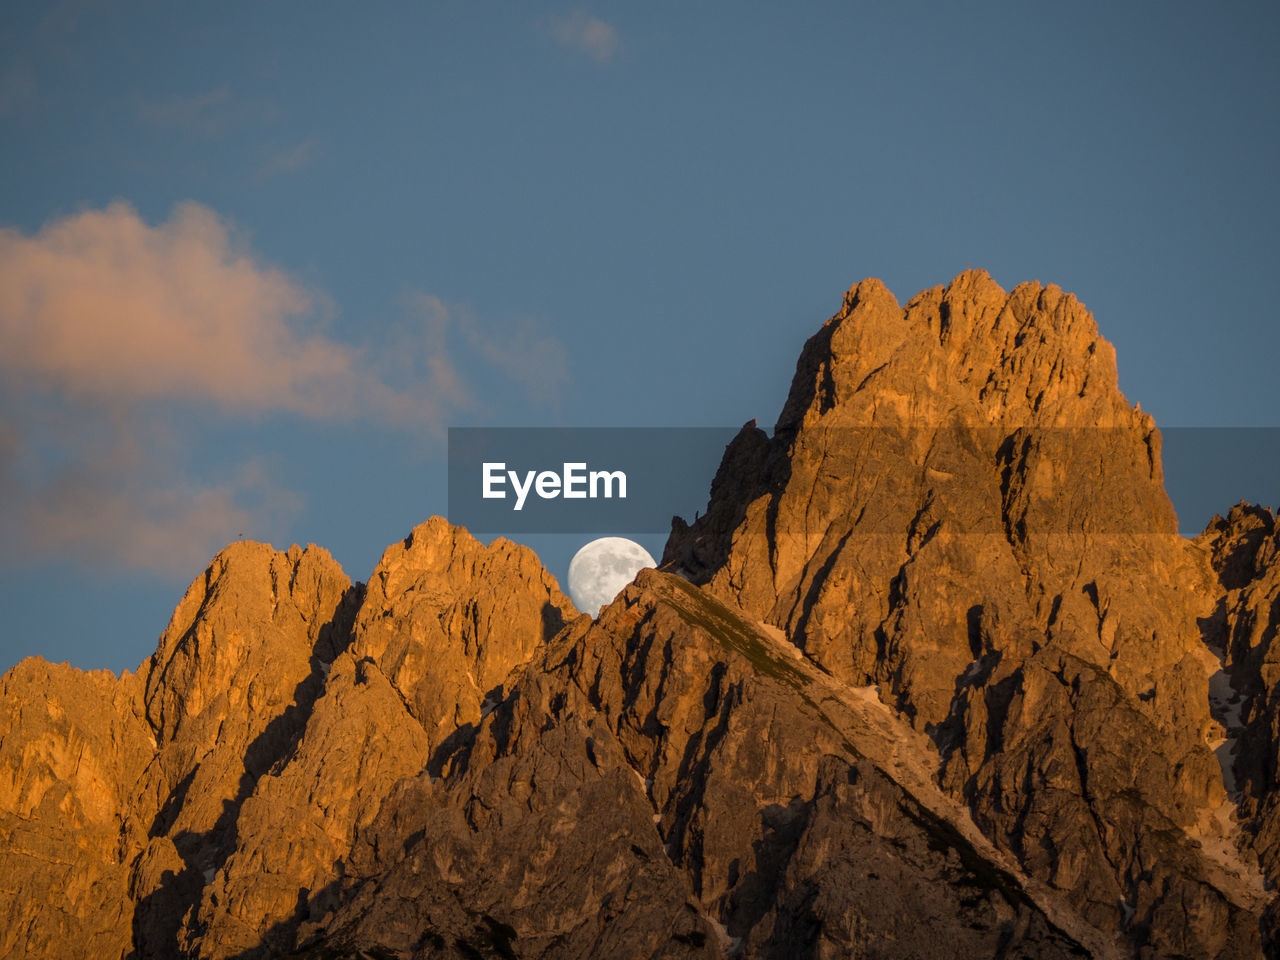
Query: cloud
{"type": "Point", "coordinates": [206, 114]}
{"type": "Point", "coordinates": [112, 331]}
{"type": "Point", "coordinates": [104, 487]}
{"type": "Point", "coordinates": [105, 307]}
{"type": "Point", "coordinates": [521, 350]}
{"type": "Point", "coordinates": [289, 160]}
{"type": "Point", "coordinates": [118, 510]}
{"type": "Point", "coordinates": [101, 487]}
{"type": "Point", "coordinates": [586, 34]}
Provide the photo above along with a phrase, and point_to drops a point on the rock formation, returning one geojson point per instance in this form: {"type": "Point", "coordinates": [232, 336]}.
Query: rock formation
{"type": "Point", "coordinates": [959, 505]}
{"type": "Point", "coordinates": [72, 747]}
{"type": "Point", "coordinates": [933, 676]}
{"type": "Point", "coordinates": [1244, 549]}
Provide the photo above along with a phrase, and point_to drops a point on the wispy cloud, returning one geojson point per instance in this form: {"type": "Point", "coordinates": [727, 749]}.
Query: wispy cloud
{"type": "Point", "coordinates": [520, 349]}
{"type": "Point", "coordinates": [101, 305]}
{"type": "Point", "coordinates": [111, 328]}
{"type": "Point", "coordinates": [586, 34]}
{"type": "Point", "coordinates": [207, 114]}
{"type": "Point", "coordinates": [120, 500]}
{"type": "Point", "coordinates": [289, 160]}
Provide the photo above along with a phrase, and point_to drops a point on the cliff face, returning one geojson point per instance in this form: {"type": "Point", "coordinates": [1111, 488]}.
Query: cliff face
{"type": "Point", "coordinates": [934, 675]}
{"type": "Point", "coordinates": [959, 505]}
{"type": "Point", "coordinates": [72, 745]}
{"type": "Point", "coordinates": [673, 780]}
{"type": "Point", "coordinates": [1244, 549]}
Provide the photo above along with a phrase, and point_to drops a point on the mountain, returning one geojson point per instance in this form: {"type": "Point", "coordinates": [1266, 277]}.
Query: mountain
{"type": "Point", "coordinates": [934, 675]}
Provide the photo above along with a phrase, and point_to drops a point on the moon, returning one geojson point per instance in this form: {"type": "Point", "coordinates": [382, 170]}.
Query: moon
{"type": "Point", "coordinates": [599, 571]}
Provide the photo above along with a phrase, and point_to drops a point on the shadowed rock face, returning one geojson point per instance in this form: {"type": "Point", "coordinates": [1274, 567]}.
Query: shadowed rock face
{"type": "Point", "coordinates": [672, 781]}
{"type": "Point", "coordinates": [933, 676]}
{"type": "Point", "coordinates": [1244, 549]}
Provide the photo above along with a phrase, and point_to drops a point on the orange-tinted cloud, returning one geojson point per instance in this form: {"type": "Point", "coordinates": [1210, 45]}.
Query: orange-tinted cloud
{"type": "Point", "coordinates": [587, 34]}
{"type": "Point", "coordinates": [102, 305]}
{"type": "Point", "coordinates": [98, 515]}
{"type": "Point", "coordinates": [103, 487]}
{"type": "Point", "coordinates": [110, 327]}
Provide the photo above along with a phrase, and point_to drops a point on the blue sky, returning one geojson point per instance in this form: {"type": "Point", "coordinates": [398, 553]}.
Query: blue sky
{"type": "Point", "coordinates": [376, 221]}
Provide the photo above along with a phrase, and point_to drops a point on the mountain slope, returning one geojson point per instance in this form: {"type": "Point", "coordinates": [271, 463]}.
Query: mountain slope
{"type": "Point", "coordinates": [934, 675]}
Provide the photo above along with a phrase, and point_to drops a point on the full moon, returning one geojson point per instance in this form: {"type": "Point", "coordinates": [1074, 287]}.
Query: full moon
{"type": "Point", "coordinates": [599, 571]}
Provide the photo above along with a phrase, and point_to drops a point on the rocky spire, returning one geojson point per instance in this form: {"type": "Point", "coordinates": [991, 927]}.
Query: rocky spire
{"type": "Point", "coordinates": [959, 505]}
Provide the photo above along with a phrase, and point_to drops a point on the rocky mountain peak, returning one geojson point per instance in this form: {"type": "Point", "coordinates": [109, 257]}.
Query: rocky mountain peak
{"type": "Point", "coordinates": [967, 353]}
{"type": "Point", "coordinates": [447, 618]}
{"type": "Point", "coordinates": [244, 634]}
{"type": "Point", "coordinates": [933, 675]}
{"type": "Point", "coordinates": [960, 506]}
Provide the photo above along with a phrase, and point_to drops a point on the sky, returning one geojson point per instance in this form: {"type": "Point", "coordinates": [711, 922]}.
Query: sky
{"type": "Point", "coordinates": [255, 259]}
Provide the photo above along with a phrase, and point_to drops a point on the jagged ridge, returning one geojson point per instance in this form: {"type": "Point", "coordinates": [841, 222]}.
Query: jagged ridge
{"type": "Point", "coordinates": [929, 694]}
